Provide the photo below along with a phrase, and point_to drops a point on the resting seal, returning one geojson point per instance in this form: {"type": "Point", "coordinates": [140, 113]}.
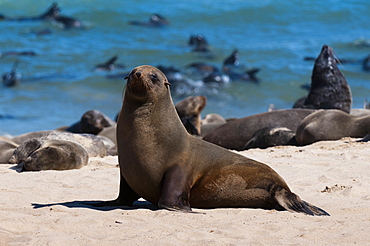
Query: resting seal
{"type": "Point", "coordinates": [92, 122]}
{"type": "Point", "coordinates": [94, 145]}
{"type": "Point", "coordinates": [271, 136]}
{"type": "Point", "coordinates": [331, 125]}
{"type": "Point", "coordinates": [37, 155]}
{"type": "Point", "coordinates": [236, 133]}
{"type": "Point", "coordinates": [7, 147]}
{"type": "Point", "coordinates": [165, 165]}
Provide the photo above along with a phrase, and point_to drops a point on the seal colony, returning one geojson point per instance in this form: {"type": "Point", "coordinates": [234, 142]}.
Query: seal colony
{"type": "Point", "coordinates": [160, 162]}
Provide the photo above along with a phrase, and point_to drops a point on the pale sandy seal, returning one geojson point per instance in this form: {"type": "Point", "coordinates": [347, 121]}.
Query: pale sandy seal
{"type": "Point", "coordinates": [37, 155]}
{"type": "Point", "coordinates": [94, 144]}
{"type": "Point", "coordinates": [331, 125]}
{"type": "Point", "coordinates": [165, 165]}
{"type": "Point", "coordinates": [7, 147]}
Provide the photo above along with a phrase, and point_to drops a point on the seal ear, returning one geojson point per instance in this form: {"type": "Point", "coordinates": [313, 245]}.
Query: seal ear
{"type": "Point", "coordinates": [167, 84]}
{"type": "Point", "coordinates": [126, 78]}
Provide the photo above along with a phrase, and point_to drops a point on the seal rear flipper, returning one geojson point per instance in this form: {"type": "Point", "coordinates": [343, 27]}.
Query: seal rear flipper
{"type": "Point", "coordinates": [175, 190]}
{"type": "Point", "coordinates": [293, 203]}
{"type": "Point", "coordinates": [316, 210]}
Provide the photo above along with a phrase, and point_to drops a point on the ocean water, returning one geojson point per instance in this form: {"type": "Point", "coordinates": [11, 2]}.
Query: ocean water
{"type": "Point", "coordinates": [60, 83]}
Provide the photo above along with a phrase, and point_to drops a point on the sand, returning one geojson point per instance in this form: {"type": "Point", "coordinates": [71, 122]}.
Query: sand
{"type": "Point", "coordinates": [44, 208]}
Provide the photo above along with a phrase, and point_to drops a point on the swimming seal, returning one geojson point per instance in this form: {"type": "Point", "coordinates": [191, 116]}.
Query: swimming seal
{"type": "Point", "coordinates": [331, 125]}
{"type": "Point", "coordinates": [165, 165]}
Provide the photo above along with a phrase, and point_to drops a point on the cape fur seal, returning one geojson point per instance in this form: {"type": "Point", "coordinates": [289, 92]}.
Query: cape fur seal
{"type": "Point", "coordinates": [271, 136]}
{"type": "Point", "coordinates": [93, 144]}
{"type": "Point", "coordinates": [329, 88]}
{"type": "Point", "coordinates": [37, 155]}
{"type": "Point", "coordinates": [7, 147]}
{"type": "Point", "coordinates": [236, 133]}
{"type": "Point", "coordinates": [165, 165]}
{"type": "Point", "coordinates": [92, 122]}
{"type": "Point", "coordinates": [331, 125]}
{"type": "Point", "coordinates": [189, 110]}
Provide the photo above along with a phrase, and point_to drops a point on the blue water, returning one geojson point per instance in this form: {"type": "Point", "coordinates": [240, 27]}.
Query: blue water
{"type": "Point", "coordinates": [60, 83]}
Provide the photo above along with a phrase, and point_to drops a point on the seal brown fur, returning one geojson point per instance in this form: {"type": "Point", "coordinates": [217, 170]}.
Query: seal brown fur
{"type": "Point", "coordinates": [331, 125]}
{"type": "Point", "coordinates": [189, 110]}
{"type": "Point", "coordinates": [237, 133]}
{"type": "Point", "coordinates": [165, 165]}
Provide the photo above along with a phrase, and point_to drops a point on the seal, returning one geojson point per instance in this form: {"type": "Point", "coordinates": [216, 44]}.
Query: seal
{"type": "Point", "coordinates": [37, 155]}
{"type": "Point", "coordinates": [12, 78]}
{"type": "Point", "coordinates": [7, 147]}
{"type": "Point", "coordinates": [155, 20]}
{"type": "Point", "coordinates": [271, 136]}
{"type": "Point", "coordinates": [160, 162]}
{"type": "Point", "coordinates": [236, 133]}
{"type": "Point", "coordinates": [211, 122]}
{"type": "Point", "coordinates": [329, 88]}
{"type": "Point", "coordinates": [189, 110]}
{"type": "Point", "coordinates": [109, 65]}
{"type": "Point", "coordinates": [93, 144]}
{"type": "Point", "coordinates": [331, 125]}
{"type": "Point", "coordinates": [92, 122]}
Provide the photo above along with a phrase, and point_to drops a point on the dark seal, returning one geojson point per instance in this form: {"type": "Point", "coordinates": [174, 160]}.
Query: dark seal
{"type": "Point", "coordinates": [235, 134]}
{"type": "Point", "coordinates": [329, 88]}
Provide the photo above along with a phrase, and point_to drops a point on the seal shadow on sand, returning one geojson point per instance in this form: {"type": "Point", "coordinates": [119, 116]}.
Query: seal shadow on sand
{"type": "Point", "coordinates": [89, 204]}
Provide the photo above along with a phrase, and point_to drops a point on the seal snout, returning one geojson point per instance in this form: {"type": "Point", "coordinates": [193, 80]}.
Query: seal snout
{"type": "Point", "coordinates": [138, 74]}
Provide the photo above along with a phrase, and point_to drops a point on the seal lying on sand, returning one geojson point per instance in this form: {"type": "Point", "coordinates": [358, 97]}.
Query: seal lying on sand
{"type": "Point", "coordinates": [329, 88]}
{"type": "Point", "coordinates": [37, 155]}
{"type": "Point", "coordinates": [331, 125]}
{"type": "Point", "coordinates": [165, 165]}
{"type": "Point", "coordinates": [92, 122]}
{"type": "Point", "coordinates": [7, 147]}
{"type": "Point", "coordinates": [271, 136]}
{"type": "Point", "coordinates": [189, 112]}
{"type": "Point", "coordinates": [93, 144]}
{"type": "Point", "coordinates": [236, 133]}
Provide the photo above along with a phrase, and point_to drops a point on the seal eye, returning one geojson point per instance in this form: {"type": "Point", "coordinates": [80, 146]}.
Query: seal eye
{"type": "Point", "coordinates": [154, 77]}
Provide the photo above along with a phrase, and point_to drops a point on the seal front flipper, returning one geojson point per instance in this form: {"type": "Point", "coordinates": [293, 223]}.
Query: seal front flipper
{"type": "Point", "coordinates": [175, 190]}
{"type": "Point", "coordinates": [126, 197]}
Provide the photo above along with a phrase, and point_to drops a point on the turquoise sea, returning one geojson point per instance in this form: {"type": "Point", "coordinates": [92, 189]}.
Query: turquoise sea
{"type": "Point", "coordinates": [60, 83]}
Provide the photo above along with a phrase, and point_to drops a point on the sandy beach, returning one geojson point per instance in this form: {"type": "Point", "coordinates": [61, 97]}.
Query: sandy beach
{"type": "Point", "coordinates": [45, 208]}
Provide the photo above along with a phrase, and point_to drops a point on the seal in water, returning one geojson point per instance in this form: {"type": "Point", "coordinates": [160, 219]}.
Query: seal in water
{"type": "Point", "coordinates": [165, 165]}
